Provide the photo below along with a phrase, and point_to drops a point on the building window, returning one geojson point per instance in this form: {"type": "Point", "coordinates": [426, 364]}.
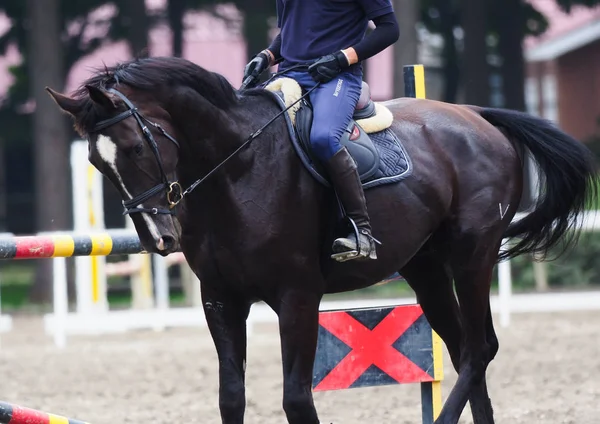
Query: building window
{"type": "Point", "coordinates": [549, 96]}
{"type": "Point", "coordinates": [496, 94]}
{"type": "Point", "coordinates": [531, 96]}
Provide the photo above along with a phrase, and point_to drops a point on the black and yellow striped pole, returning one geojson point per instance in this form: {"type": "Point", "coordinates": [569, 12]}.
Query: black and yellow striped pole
{"type": "Point", "coordinates": [414, 81]}
{"type": "Point", "coordinates": [68, 244]}
{"type": "Point", "coordinates": [431, 392]}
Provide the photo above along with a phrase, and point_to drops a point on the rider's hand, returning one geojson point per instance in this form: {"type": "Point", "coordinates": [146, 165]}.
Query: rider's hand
{"type": "Point", "coordinates": [257, 65]}
{"type": "Point", "coordinates": [328, 67]}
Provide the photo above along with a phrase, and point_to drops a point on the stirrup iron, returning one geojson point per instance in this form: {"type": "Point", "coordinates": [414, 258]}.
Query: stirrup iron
{"type": "Point", "coordinates": [351, 254]}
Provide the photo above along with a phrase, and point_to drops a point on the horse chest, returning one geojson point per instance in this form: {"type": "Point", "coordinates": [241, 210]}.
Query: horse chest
{"type": "Point", "coordinates": [228, 258]}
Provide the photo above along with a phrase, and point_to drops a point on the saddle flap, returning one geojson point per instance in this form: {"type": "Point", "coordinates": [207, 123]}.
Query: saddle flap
{"type": "Point", "coordinates": [303, 124]}
{"type": "Point", "coordinates": [361, 148]}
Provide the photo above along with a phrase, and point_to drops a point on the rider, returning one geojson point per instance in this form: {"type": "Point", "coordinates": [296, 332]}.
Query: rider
{"type": "Point", "coordinates": [330, 36]}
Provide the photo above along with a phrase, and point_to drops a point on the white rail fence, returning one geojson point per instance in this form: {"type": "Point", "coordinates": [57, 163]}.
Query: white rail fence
{"type": "Point", "coordinates": [150, 283]}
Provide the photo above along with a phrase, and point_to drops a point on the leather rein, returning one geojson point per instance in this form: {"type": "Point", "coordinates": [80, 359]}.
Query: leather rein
{"type": "Point", "coordinates": [172, 189]}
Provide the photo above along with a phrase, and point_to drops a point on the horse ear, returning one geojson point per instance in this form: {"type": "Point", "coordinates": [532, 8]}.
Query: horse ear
{"type": "Point", "coordinates": [66, 103]}
{"type": "Point", "coordinates": [101, 97]}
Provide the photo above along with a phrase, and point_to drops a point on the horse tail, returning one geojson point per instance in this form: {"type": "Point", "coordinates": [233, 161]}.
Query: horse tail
{"type": "Point", "coordinates": [567, 181]}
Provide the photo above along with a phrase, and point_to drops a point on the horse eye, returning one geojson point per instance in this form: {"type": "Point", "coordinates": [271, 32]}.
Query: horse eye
{"type": "Point", "coordinates": [138, 148]}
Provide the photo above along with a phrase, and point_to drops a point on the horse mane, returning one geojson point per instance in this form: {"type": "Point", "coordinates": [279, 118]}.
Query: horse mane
{"type": "Point", "coordinates": [148, 74]}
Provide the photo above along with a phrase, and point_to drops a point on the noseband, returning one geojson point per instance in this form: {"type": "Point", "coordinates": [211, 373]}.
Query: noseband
{"type": "Point", "coordinates": [173, 190]}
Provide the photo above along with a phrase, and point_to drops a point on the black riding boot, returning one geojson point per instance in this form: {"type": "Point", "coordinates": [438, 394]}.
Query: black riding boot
{"type": "Point", "coordinates": [346, 182]}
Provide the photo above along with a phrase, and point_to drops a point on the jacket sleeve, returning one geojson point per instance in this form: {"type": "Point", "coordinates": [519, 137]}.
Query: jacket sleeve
{"type": "Point", "coordinates": [385, 34]}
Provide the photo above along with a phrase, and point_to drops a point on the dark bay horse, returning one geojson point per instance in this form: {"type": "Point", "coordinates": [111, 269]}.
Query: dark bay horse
{"type": "Point", "coordinates": [260, 227]}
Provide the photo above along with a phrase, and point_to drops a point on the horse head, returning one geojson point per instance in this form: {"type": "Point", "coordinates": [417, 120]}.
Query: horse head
{"type": "Point", "coordinates": [131, 143]}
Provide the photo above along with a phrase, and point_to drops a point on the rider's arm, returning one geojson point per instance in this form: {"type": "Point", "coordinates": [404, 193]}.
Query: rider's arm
{"type": "Point", "coordinates": [275, 49]}
{"type": "Point", "coordinates": [385, 34]}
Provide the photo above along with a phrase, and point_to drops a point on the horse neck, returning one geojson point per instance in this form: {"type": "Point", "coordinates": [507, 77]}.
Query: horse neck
{"type": "Point", "coordinates": [212, 134]}
{"type": "Point", "coordinates": [206, 133]}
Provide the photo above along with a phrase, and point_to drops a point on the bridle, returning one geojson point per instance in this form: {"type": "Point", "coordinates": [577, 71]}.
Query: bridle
{"type": "Point", "coordinates": [174, 191]}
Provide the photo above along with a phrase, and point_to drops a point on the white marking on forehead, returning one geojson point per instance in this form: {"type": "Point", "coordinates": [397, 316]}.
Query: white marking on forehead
{"type": "Point", "coordinates": [107, 149]}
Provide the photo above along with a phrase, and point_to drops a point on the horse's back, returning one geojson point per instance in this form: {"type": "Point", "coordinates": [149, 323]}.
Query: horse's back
{"type": "Point", "coordinates": [456, 137]}
{"type": "Point", "coordinates": [468, 164]}
{"type": "Point", "coordinates": [463, 122]}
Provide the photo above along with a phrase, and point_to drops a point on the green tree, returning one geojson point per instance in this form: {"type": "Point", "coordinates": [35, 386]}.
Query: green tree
{"type": "Point", "coordinates": [405, 49]}
{"type": "Point", "coordinates": [51, 37]}
{"type": "Point", "coordinates": [175, 13]}
{"type": "Point", "coordinates": [49, 129]}
{"type": "Point", "coordinates": [476, 68]}
{"type": "Point", "coordinates": [132, 24]}
{"type": "Point", "coordinates": [567, 5]}
{"type": "Point", "coordinates": [256, 23]}
{"type": "Point", "coordinates": [500, 37]}
{"type": "Point", "coordinates": [37, 30]}
{"type": "Point", "coordinates": [257, 16]}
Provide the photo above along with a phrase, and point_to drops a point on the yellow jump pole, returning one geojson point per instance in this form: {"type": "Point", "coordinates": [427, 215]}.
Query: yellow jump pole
{"type": "Point", "coordinates": [431, 393]}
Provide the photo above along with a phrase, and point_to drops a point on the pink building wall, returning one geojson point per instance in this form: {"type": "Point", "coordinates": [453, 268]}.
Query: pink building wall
{"type": "Point", "coordinates": [560, 22]}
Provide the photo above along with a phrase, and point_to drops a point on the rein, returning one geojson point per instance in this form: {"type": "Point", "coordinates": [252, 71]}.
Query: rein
{"type": "Point", "coordinates": [173, 190]}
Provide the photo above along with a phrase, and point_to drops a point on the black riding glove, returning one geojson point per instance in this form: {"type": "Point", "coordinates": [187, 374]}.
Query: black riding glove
{"type": "Point", "coordinates": [328, 67]}
{"type": "Point", "coordinates": [257, 65]}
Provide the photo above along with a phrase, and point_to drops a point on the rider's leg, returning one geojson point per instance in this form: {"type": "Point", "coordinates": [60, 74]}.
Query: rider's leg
{"type": "Point", "coordinates": [344, 176]}
{"type": "Point", "coordinates": [334, 104]}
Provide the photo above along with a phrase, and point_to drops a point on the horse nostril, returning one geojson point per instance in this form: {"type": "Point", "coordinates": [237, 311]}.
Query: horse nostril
{"type": "Point", "coordinates": [167, 242]}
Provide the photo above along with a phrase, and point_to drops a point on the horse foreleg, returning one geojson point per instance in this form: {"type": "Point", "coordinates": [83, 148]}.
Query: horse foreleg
{"type": "Point", "coordinates": [226, 319]}
{"type": "Point", "coordinates": [298, 327]}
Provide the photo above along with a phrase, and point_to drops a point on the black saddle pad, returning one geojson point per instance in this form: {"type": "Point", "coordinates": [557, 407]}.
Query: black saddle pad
{"type": "Point", "coordinates": [394, 162]}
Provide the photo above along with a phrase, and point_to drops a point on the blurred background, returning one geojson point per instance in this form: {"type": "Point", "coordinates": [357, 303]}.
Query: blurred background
{"type": "Point", "coordinates": [542, 56]}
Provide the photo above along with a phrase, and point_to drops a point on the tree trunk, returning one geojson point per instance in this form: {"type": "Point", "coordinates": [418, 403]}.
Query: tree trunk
{"type": "Point", "coordinates": [406, 48]}
{"type": "Point", "coordinates": [49, 132]}
{"type": "Point", "coordinates": [256, 28]}
{"type": "Point", "coordinates": [476, 70]}
{"type": "Point", "coordinates": [3, 207]}
{"type": "Point", "coordinates": [135, 19]}
{"type": "Point", "coordinates": [256, 24]}
{"type": "Point", "coordinates": [511, 34]}
{"type": "Point", "coordinates": [176, 12]}
{"type": "Point", "coordinates": [451, 69]}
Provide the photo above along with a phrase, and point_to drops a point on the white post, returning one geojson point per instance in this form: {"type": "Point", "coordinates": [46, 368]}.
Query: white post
{"type": "Point", "coordinates": [161, 282]}
{"type": "Point", "coordinates": [540, 275]}
{"type": "Point", "coordinates": [1, 316]}
{"type": "Point", "coordinates": [142, 296]}
{"type": "Point", "coordinates": [191, 285]}
{"type": "Point", "coordinates": [504, 290]}
{"type": "Point", "coordinates": [80, 218]}
{"type": "Point", "coordinates": [5, 320]}
{"type": "Point", "coordinates": [88, 217]}
{"type": "Point", "coordinates": [61, 301]}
